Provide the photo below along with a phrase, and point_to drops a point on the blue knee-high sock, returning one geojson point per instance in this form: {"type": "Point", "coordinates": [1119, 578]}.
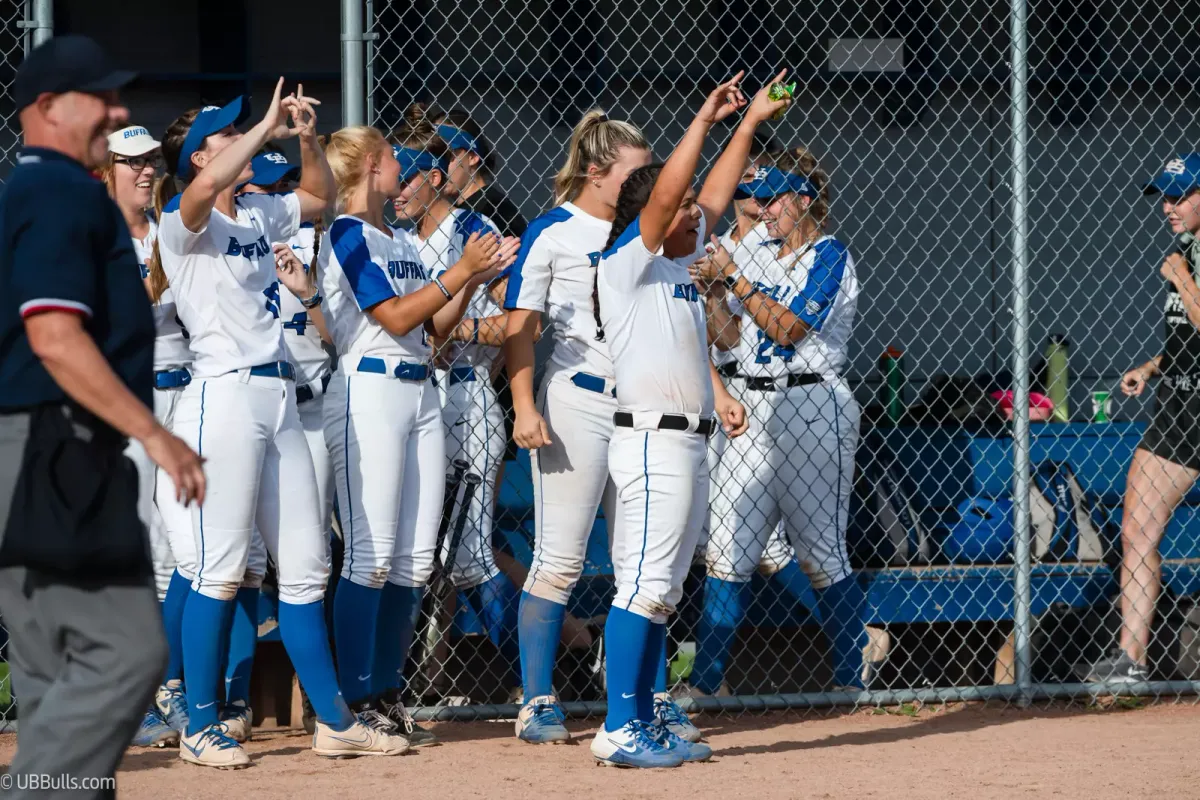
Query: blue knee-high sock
{"type": "Point", "coordinates": [539, 629]}
{"type": "Point", "coordinates": [793, 581]}
{"type": "Point", "coordinates": [841, 606]}
{"type": "Point", "coordinates": [495, 601]}
{"type": "Point", "coordinates": [206, 625]}
{"type": "Point", "coordinates": [724, 609]}
{"type": "Point", "coordinates": [302, 628]}
{"type": "Point", "coordinates": [243, 637]}
{"type": "Point", "coordinates": [173, 606]}
{"type": "Point", "coordinates": [653, 675]}
{"type": "Point", "coordinates": [398, 614]}
{"type": "Point", "coordinates": [626, 639]}
{"type": "Point", "coordinates": [355, 618]}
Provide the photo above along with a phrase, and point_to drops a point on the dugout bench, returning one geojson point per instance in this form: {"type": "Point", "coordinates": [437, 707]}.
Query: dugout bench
{"type": "Point", "coordinates": [940, 467]}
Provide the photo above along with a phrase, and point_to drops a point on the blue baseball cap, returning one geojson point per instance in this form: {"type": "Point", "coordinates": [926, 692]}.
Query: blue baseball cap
{"type": "Point", "coordinates": [414, 161]}
{"type": "Point", "coordinates": [210, 120]}
{"type": "Point", "coordinates": [458, 139]}
{"type": "Point", "coordinates": [1180, 176]}
{"type": "Point", "coordinates": [771, 181]}
{"type": "Point", "coordinates": [271, 168]}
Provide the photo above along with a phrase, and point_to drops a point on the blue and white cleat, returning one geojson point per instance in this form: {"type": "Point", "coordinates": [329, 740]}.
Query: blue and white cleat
{"type": "Point", "coordinates": [672, 717]}
{"type": "Point", "coordinates": [155, 732]}
{"type": "Point", "coordinates": [541, 721]}
{"type": "Point", "coordinates": [213, 747]}
{"type": "Point", "coordinates": [239, 721]}
{"type": "Point", "coordinates": [637, 744]}
{"type": "Point", "coordinates": [692, 752]}
{"type": "Point", "coordinates": [171, 703]}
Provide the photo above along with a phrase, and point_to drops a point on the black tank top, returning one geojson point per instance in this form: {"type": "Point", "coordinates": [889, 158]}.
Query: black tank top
{"type": "Point", "coordinates": [1181, 352]}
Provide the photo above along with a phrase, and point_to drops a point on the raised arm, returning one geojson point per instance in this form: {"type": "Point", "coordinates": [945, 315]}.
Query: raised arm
{"type": "Point", "coordinates": [679, 171]}
{"type": "Point", "coordinates": [223, 170]}
{"type": "Point", "coordinates": [725, 175]}
{"type": "Point", "coordinates": [318, 189]}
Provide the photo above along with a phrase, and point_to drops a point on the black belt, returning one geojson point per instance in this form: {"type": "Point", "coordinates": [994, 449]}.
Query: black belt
{"type": "Point", "coordinates": [773, 384]}
{"type": "Point", "coordinates": [728, 369]}
{"type": "Point", "coordinates": [668, 422]}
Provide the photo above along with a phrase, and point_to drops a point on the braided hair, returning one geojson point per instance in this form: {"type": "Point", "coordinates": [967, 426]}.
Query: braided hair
{"type": "Point", "coordinates": [634, 194]}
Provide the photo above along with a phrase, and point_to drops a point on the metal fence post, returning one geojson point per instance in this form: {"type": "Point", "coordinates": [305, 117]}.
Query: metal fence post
{"type": "Point", "coordinates": [42, 21]}
{"type": "Point", "coordinates": [1020, 279]}
{"type": "Point", "coordinates": [370, 66]}
{"type": "Point", "coordinates": [352, 63]}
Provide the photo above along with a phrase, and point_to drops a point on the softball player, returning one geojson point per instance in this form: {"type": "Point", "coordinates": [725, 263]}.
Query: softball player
{"type": "Point", "coordinates": [383, 422]}
{"type": "Point", "coordinates": [792, 303]}
{"type": "Point", "coordinates": [742, 240]}
{"type": "Point", "coordinates": [239, 412]}
{"type": "Point", "coordinates": [133, 161]}
{"type": "Point", "coordinates": [569, 427]}
{"type": "Point", "coordinates": [471, 412]}
{"type": "Point", "coordinates": [667, 393]}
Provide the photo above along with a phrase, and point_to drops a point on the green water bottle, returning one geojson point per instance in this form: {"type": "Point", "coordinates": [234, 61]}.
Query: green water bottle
{"type": "Point", "coordinates": [891, 364]}
{"type": "Point", "coordinates": [1058, 377]}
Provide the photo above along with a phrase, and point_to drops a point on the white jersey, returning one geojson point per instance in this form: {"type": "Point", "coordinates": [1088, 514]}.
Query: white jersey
{"type": "Point", "coordinates": [301, 337]}
{"type": "Point", "coordinates": [223, 277]}
{"type": "Point", "coordinates": [740, 249]}
{"type": "Point", "coordinates": [555, 272]}
{"type": "Point", "coordinates": [819, 285]}
{"type": "Point", "coordinates": [654, 321]}
{"type": "Point", "coordinates": [171, 349]}
{"type": "Point", "coordinates": [360, 266]}
{"type": "Point", "coordinates": [442, 250]}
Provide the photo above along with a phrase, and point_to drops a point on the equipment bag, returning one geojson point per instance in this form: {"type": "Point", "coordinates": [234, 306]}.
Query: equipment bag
{"type": "Point", "coordinates": [896, 519]}
{"type": "Point", "coordinates": [1068, 524]}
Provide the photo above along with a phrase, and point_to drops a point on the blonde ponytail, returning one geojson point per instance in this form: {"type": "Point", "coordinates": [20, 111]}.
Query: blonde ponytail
{"type": "Point", "coordinates": [596, 140]}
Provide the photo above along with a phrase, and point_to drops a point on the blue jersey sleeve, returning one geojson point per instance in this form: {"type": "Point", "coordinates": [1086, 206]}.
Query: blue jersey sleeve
{"type": "Point", "coordinates": [814, 301]}
{"type": "Point", "coordinates": [368, 280]}
{"type": "Point", "coordinates": [529, 276]}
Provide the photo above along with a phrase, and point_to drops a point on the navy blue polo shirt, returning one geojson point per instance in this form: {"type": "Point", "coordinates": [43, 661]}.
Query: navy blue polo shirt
{"type": "Point", "coordinates": [64, 246]}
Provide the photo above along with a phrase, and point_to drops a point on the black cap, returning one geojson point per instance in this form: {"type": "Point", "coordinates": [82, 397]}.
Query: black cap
{"type": "Point", "coordinates": [66, 64]}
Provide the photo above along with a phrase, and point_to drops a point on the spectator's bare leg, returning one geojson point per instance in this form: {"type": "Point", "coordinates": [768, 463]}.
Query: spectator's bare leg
{"type": "Point", "coordinates": [1154, 488]}
{"type": "Point", "coordinates": [575, 632]}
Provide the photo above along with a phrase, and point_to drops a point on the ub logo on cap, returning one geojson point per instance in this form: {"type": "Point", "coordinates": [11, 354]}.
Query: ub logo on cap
{"type": "Point", "coordinates": [275, 158]}
{"type": "Point", "coordinates": [1175, 167]}
{"type": "Point", "coordinates": [210, 108]}
{"type": "Point", "coordinates": [761, 173]}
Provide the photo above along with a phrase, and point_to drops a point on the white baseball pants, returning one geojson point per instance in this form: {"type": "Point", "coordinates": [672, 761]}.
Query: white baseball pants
{"type": "Point", "coordinates": [662, 482]}
{"type": "Point", "coordinates": [474, 424]}
{"type": "Point", "coordinates": [260, 474]}
{"type": "Point", "coordinates": [794, 466]}
{"type": "Point", "coordinates": [388, 450]}
{"type": "Point", "coordinates": [570, 480]}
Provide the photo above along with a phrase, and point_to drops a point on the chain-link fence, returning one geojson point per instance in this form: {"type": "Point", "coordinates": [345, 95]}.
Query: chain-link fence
{"type": "Point", "coordinates": [910, 109]}
{"type": "Point", "coordinates": [984, 161]}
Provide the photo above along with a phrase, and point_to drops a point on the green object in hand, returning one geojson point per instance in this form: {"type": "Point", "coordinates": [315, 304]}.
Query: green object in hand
{"type": "Point", "coordinates": [780, 91]}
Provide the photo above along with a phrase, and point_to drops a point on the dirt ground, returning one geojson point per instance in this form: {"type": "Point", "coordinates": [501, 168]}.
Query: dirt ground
{"type": "Point", "coordinates": [937, 752]}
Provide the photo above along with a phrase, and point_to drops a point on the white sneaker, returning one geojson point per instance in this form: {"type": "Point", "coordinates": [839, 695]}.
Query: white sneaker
{"type": "Point", "coordinates": [357, 740]}
{"type": "Point", "coordinates": [239, 721]}
{"type": "Point", "coordinates": [637, 744]}
{"type": "Point", "coordinates": [213, 747]}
